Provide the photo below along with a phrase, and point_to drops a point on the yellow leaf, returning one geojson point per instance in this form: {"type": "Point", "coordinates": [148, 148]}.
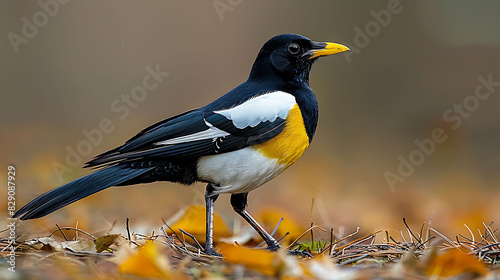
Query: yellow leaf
{"type": "Point", "coordinates": [257, 259]}
{"type": "Point", "coordinates": [193, 221]}
{"type": "Point", "coordinates": [146, 262]}
{"type": "Point", "coordinates": [454, 262]}
{"type": "Point", "coordinates": [270, 218]}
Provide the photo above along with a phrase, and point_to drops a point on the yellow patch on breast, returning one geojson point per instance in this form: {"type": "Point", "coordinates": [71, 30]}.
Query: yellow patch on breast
{"type": "Point", "coordinates": [291, 143]}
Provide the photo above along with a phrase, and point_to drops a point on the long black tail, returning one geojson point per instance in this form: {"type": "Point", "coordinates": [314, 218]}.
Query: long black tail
{"type": "Point", "coordinates": [78, 189]}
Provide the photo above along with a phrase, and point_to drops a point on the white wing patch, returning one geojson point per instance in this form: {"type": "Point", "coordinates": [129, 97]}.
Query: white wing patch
{"type": "Point", "coordinates": [266, 107]}
{"type": "Point", "coordinates": [211, 133]}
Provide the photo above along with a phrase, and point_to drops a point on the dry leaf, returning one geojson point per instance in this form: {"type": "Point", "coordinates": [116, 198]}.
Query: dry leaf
{"type": "Point", "coordinates": [45, 244]}
{"type": "Point", "coordinates": [323, 268]}
{"type": "Point", "coordinates": [193, 221]}
{"type": "Point", "coordinates": [146, 262]}
{"type": "Point", "coordinates": [270, 218]}
{"type": "Point", "coordinates": [79, 246]}
{"type": "Point", "coordinates": [454, 262]}
{"type": "Point", "coordinates": [102, 243]}
{"type": "Point", "coordinates": [257, 259]}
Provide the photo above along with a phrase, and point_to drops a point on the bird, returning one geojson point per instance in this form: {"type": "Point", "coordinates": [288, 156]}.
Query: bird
{"type": "Point", "coordinates": [235, 144]}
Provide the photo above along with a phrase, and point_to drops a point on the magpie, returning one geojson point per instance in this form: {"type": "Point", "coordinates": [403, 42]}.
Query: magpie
{"type": "Point", "coordinates": [235, 144]}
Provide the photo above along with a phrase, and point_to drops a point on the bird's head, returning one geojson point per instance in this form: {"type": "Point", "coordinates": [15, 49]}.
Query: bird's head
{"type": "Point", "coordinates": [291, 56]}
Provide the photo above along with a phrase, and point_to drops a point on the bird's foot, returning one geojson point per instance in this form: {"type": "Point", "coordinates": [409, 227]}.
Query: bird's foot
{"type": "Point", "coordinates": [297, 252]}
{"type": "Point", "coordinates": [274, 246]}
{"type": "Point", "coordinates": [211, 251]}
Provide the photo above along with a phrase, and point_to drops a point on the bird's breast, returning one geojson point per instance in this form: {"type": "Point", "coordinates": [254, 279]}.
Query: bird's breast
{"type": "Point", "coordinates": [291, 143]}
{"type": "Point", "coordinates": [243, 170]}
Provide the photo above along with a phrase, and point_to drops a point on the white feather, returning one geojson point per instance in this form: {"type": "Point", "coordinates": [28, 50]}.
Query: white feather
{"type": "Point", "coordinates": [211, 133]}
{"type": "Point", "coordinates": [266, 107]}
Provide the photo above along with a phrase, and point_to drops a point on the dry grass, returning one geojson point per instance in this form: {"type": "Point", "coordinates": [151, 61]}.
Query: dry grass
{"type": "Point", "coordinates": [414, 254]}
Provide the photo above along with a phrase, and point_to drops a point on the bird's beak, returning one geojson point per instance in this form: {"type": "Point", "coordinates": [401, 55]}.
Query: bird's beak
{"type": "Point", "coordinates": [325, 48]}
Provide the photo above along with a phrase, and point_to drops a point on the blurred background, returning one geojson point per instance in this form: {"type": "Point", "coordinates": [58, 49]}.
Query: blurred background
{"type": "Point", "coordinates": [70, 66]}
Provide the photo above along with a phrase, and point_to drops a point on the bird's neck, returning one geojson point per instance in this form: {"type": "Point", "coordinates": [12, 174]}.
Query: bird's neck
{"type": "Point", "coordinates": [262, 70]}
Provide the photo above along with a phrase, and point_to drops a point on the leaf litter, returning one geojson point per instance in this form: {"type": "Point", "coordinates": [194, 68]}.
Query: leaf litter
{"type": "Point", "coordinates": [176, 252]}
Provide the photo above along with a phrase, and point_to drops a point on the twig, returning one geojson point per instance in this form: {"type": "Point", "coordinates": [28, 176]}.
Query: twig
{"type": "Point", "coordinates": [276, 227]}
{"type": "Point", "coordinates": [302, 235]}
{"type": "Point", "coordinates": [404, 239]}
{"type": "Point", "coordinates": [331, 242]}
{"type": "Point", "coordinates": [176, 236]}
{"type": "Point", "coordinates": [353, 260]}
{"type": "Point", "coordinates": [312, 234]}
{"type": "Point", "coordinates": [409, 230]}
{"type": "Point", "coordinates": [490, 232]}
{"type": "Point", "coordinates": [471, 234]}
{"type": "Point", "coordinates": [62, 232]}
{"type": "Point", "coordinates": [128, 231]}
{"type": "Point", "coordinates": [192, 237]}
{"type": "Point", "coordinates": [430, 238]}
{"type": "Point", "coordinates": [76, 232]}
{"type": "Point", "coordinates": [272, 233]}
{"type": "Point", "coordinates": [359, 240]}
{"type": "Point", "coordinates": [337, 242]}
{"type": "Point", "coordinates": [281, 238]}
{"type": "Point", "coordinates": [428, 232]}
{"type": "Point", "coordinates": [71, 228]}
{"type": "Point", "coordinates": [445, 238]}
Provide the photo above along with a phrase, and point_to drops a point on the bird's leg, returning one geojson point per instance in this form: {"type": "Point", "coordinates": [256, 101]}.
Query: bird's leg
{"type": "Point", "coordinates": [239, 202]}
{"type": "Point", "coordinates": [210, 198]}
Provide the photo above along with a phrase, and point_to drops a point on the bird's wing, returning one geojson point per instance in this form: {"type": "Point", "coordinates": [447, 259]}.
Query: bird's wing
{"type": "Point", "coordinates": [200, 133]}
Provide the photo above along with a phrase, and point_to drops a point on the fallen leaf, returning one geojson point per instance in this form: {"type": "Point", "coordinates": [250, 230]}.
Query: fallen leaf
{"type": "Point", "coordinates": [256, 259]}
{"type": "Point", "coordinates": [45, 244]}
{"type": "Point", "coordinates": [244, 235]}
{"type": "Point", "coordinates": [270, 218]}
{"type": "Point", "coordinates": [102, 243]}
{"type": "Point", "coordinates": [81, 245]}
{"type": "Point", "coordinates": [454, 262]}
{"type": "Point", "coordinates": [193, 221]}
{"type": "Point", "coordinates": [323, 268]}
{"type": "Point", "coordinates": [146, 262]}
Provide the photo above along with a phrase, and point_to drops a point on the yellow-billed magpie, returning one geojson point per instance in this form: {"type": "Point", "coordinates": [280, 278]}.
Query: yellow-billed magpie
{"type": "Point", "coordinates": [235, 144]}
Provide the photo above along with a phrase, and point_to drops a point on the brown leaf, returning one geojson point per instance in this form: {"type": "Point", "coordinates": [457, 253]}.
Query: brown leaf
{"type": "Point", "coordinates": [102, 243]}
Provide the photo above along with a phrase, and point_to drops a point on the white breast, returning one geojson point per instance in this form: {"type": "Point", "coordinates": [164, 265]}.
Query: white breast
{"type": "Point", "coordinates": [239, 171]}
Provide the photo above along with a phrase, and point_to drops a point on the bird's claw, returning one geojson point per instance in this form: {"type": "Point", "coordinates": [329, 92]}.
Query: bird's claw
{"type": "Point", "coordinates": [212, 252]}
{"type": "Point", "coordinates": [273, 247]}
{"type": "Point", "coordinates": [301, 253]}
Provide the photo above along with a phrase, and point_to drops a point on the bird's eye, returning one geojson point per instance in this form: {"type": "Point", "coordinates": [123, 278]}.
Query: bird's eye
{"type": "Point", "coordinates": [293, 48]}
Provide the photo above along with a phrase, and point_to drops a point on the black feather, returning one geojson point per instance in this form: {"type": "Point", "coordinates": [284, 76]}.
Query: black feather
{"type": "Point", "coordinates": [76, 190]}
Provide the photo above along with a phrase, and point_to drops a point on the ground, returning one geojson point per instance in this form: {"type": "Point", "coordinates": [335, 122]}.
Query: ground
{"type": "Point", "coordinates": [174, 252]}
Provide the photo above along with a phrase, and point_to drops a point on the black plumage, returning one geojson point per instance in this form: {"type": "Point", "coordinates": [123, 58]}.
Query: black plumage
{"type": "Point", "coordinates": [171, 149]}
